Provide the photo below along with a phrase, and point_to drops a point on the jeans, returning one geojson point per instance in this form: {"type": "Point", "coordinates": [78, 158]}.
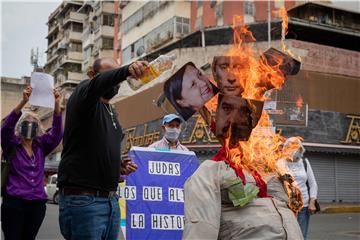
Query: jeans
{"type": "Point", "coordinates": [89, 217]}
{"type": "Point", "coordinates": [303, 219]}
{"type": "Point", "coordinates": [20, 218]}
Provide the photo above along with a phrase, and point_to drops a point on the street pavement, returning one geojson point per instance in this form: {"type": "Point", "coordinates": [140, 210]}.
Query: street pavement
{"type": "Point", "coordinates": [334, 226]}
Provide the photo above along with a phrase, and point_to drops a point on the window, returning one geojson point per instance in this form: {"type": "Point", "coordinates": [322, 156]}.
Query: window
{"type": "Point", "coordinates": [133, 21]}
{"type": "Point", "coordinates": [76, 47]}
{"type": "Point", "coordinates": [199, 4]}
{"type": "Point", "coordinates": [249, 8]}
{"type": "Point", "coordinates": [73, 68]}
{"type": "Point", "coordinates": [77, 27]}
{"type": "Point", "coordinates": [139, 47]}
{"type": "Point", "coordinates": [182, 25]}
{"type": "Point", "coordinates": [127, 55]}
{"type": "Point", "coordinates": [107, 43]}
{"type": "Point", "coordinates": [108, 20]}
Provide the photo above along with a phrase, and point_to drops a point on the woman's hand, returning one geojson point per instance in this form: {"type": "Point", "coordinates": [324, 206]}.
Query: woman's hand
{"type": "Point", "coordinates": [312, 208]}
{"type": "Point", "coordinates": [26, 95]}
{"type": "Point", "coordinates": [57, 96]}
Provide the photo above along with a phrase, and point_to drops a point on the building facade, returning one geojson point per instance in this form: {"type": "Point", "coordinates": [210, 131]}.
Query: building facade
{"type": "Point", "coordinates": [11, 93]}
{"type": "Point", "coordinates": [326, 39]}
{"type": "Point", "coordinates": [150, 25]}
{"type": "Point", "coordinates": [98, 31]}
{"type": "Point", "coordinates": [64, 52]}
{"type": "Point", "coordinates": [79, 32]}
{"type": "Point", "coordinates": [328, 82]}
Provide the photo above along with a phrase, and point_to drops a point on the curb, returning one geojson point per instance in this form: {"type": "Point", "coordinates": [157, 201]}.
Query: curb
{"type": "Point", "coordinates": [355, 209]}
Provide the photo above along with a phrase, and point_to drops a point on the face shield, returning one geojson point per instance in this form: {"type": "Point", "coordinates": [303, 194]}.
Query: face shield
{"type": "Point", "coordinates": [28, 129]}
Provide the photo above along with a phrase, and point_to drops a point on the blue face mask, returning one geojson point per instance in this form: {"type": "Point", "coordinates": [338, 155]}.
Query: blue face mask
{"type": "Point", "coordinates": [28, 129]}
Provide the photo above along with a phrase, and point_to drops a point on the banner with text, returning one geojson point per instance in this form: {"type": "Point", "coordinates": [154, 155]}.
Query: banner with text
{"type": "Point", "coordinates": [154, 193]}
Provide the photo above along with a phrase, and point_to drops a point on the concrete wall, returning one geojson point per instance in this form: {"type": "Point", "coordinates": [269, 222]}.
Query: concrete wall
{"type": "Point", "coordinates": [11, 94]}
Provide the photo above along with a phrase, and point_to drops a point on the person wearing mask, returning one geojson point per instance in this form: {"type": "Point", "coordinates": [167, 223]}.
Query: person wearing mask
{"type": "Point", "coordinates": [300, 168]}
{"type": "Point", "coordinates": [91, 166]}
{"type": "Point", "coordinates": [25, 145]}
{"type": "Point", "coordinates": [171, 126]}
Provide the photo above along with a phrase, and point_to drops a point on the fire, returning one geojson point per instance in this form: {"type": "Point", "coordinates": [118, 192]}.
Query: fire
{"type": "Point", "coordinates": [256, 76]}
{"type": "Point", "coordinates": [299, 102]}
{"type": "Point", "coordinates": [284, 32]}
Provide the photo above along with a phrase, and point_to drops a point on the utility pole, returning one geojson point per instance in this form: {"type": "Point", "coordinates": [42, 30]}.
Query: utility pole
{"type": "Point", "coordinates": [116, 29]}
{"type": "Point", "coordinates": [269, 23]}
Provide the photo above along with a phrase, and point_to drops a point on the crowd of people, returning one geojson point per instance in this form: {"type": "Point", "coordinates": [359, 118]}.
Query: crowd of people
{"type": "Point", "coordinates": [88, 203]}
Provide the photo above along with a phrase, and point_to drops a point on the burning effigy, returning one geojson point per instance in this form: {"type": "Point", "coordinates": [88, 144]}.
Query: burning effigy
{"type": "Point", "coordinates": [242, 193]}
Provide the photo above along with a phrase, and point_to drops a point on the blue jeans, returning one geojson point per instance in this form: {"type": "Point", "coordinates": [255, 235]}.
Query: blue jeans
{"type": "Point", "coordinates": [303, 219]}
{"type": "Point", "coordinates": [89, 217]}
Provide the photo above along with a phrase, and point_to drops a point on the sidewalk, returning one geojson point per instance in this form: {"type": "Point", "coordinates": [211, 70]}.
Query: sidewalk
{"type": "Point", "coordinates": [340, 207]}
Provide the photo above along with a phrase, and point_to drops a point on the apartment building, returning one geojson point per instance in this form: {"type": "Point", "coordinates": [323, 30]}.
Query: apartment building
{"type": "Point", "coordinates": [98, 31]}
{"type": "Point", "coordinates": [64, 52]}
{"type": "Point", "coordinates": [205, 14]}
{"type": "Point", "coordinates": [79, 32]}
{"type": "Point", "coordinates": [150, 25]}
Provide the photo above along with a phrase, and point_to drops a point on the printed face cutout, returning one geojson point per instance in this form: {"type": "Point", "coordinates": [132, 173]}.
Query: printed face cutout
{"type": "Point", "coordinates": [236, 117]}
{"type": "Point", "coordinates": [188, 90]}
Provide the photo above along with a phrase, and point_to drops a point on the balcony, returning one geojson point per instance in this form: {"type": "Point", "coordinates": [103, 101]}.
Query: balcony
{"type": "Point", "coordinates": [74, 17]}
{"type": "Point", "coordinates": [74, 76]}
{"type": "Point", "coordinates": [69, 77]}
{"type": "Point", "coordinates": [71, 57]}
{"type": "Point", "coordinates": [52, 29]}
{"type": "Point", "coordinates": [77, 36]}
{"type": "Point", "coordinates": [53, 43]}
{"type": "Point", "coordinates": [51, 58]}
{"type": "Point", "coordinates": [76, 56]}
{"type": "Point", "coordinates": [107, 7]}
{"type": "Point", "coordinates": [105, 31]}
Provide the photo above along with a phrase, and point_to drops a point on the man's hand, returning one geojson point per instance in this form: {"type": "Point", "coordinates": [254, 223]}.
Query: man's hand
{"type": "Point", "coordinates": [57, 96]}
{"type": "Point", "coordinates": [127, 166]}
{"type": "Point", "coordinates": [138, 68]}
{"type": "Point", "coordinates": [312, 208]}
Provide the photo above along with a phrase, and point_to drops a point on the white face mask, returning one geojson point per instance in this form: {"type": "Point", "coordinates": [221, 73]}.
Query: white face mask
{"type": "Point", "coordinates": [297, 155]}
{"type": "Point", "coordinates": [172, 134]}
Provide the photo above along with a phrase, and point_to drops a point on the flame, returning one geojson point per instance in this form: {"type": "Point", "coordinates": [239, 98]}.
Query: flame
{"type": "Point", "coordinates": [299, 102]}
{"type": "Point", "coordinates": [284, 31]}
{"type": "Point", "coordinates": [256, 75]}
{"type": "Point", "coordinates": [264, 148]}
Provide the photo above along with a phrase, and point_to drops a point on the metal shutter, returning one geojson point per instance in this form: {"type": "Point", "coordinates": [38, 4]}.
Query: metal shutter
{"type": "Point", "coordinates": [323, 166]}
{"type": "Point", "coordinates": [348, 179]}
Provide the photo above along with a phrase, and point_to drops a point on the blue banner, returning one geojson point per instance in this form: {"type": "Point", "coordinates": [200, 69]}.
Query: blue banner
{"type": "Point", "coordinates": [154, 193]}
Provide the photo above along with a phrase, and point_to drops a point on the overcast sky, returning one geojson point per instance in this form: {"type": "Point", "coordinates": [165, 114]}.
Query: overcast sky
{"type": "Point", "coordinates": [23, 26]}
